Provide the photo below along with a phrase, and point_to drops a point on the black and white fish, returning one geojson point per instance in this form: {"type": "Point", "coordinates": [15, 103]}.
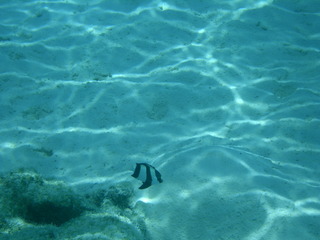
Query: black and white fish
{"type": "Point", "coordinates": [147, 174]}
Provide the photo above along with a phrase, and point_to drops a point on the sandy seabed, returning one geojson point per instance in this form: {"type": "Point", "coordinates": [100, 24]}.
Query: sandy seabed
{"type": "Point", "coordinates": [222, 98]}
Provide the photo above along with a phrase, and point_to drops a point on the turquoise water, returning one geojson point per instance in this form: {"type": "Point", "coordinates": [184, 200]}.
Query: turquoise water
{"type": "Point", "coordinates": [222, 97]}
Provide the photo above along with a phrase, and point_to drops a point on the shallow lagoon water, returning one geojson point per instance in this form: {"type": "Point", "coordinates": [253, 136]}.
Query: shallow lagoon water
{"type": "Point", "coordinates": [222, 98]}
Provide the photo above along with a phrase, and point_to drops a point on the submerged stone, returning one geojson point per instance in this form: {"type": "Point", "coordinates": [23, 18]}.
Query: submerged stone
{"type": "Point", "coordinates": [39, 201]}
{"type": "Point", "coordinates": [120, 195]}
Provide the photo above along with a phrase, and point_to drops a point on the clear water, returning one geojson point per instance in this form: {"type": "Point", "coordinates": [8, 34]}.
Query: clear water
{"type": "Point", "coordinates": [222, 97]}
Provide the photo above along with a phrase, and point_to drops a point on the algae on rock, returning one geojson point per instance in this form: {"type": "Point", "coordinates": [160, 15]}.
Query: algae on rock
{"type": "Point", "coordinates": [29, 196]}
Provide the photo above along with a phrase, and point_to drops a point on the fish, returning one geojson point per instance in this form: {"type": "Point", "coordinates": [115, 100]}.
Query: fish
{"type": "Point", "coordinates": [147, 174]}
